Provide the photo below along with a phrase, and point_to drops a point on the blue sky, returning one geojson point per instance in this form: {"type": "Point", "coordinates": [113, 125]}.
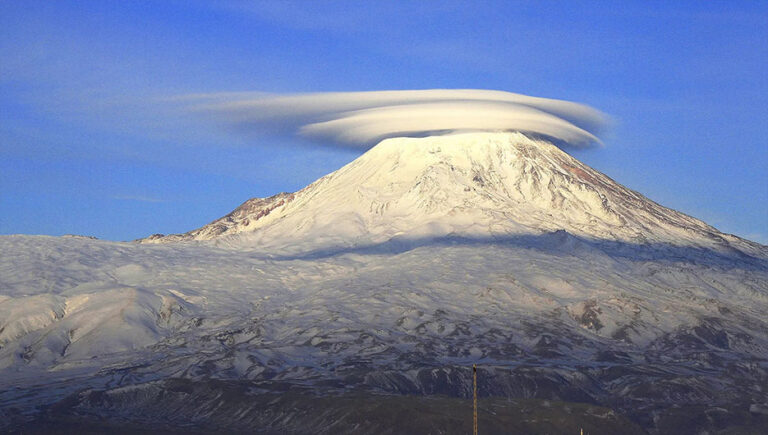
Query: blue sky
{"type": "Point", "coordinates": [91, 141]}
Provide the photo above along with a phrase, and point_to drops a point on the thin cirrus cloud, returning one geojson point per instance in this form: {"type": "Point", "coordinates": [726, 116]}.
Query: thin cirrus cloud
{"type": "Point", "coordinates": [137, 198]}
{"type": "Point", "coordinates": [362, 119]}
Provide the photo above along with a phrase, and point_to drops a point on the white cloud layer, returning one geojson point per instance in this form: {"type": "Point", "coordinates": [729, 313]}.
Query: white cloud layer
{"type": "Point", "coordinates": [361, 119]}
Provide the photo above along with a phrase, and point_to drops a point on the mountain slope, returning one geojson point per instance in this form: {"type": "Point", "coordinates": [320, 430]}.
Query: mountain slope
{"type": "Point", "coordinates": [94, 326]}
{"type": "Point", "coordinates": [236, 221]}
{"type": "Point", "coordinates": [473, 185]}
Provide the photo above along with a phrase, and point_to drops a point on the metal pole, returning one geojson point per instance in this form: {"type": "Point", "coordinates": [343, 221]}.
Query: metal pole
{"type": "Point", "coordinates": [474, 394]}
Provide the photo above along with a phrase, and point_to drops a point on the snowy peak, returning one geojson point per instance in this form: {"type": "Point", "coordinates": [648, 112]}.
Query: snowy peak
{"type": "Point", "coordinates": [470, 184]}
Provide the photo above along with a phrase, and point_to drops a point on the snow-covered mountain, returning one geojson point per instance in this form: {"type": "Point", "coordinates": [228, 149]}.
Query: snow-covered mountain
{"type": "Point", "coordinates": [472, 184]}
{"type": "Point", "coordinates": [316, 311]}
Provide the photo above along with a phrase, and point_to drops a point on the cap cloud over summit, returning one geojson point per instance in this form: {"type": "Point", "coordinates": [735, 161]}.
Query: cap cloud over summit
{"type": "Point", "coordinates": [361, 119]}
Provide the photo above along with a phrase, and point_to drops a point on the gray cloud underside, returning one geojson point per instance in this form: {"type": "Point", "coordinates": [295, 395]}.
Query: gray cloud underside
{"type": "Point", "coordinates": [361, 119]}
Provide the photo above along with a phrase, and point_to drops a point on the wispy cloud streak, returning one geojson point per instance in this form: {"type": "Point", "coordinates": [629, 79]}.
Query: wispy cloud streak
{"type": "Point", "coordinates": [137, 198]}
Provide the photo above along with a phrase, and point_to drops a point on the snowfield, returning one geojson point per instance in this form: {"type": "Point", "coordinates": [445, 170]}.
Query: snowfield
{"type": "Point", "coordinates": [394, 275]}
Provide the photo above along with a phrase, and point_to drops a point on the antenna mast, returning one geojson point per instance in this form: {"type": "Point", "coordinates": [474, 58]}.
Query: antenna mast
{"type": "Point", "coordinates": [474, 394]}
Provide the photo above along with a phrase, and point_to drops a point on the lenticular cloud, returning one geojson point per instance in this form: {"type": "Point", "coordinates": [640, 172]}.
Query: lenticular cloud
{"type": "Point", "coordinates": [361, 119]}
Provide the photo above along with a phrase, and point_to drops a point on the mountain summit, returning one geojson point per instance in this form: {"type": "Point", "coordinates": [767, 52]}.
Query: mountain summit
{"type": "Point", "coordinates": [477, 185]}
